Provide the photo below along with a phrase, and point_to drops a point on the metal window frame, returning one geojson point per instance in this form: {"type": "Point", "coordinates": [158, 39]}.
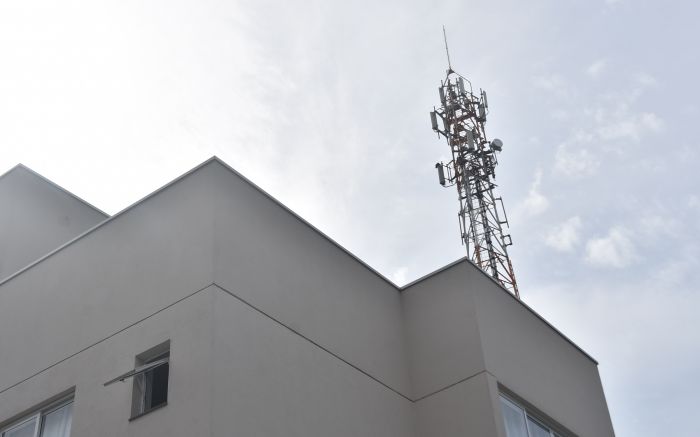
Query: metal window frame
{"type": "Point", "coordinates": [527, 415]}
{"type": "Point", "coordinates": [138, 370]}
{"type": "Point", "coordinates": [50, 409]}
{"type": "Point", "coordinates": [35, 416]}
{"type": "Point", "coordinates": [140, 401]}
{"type": "Point", "coordinates": [39, 416]}
{"type": "Point", "coordinates": [530, 418]}
{"type": "Point", "coordinates": [518, 407]}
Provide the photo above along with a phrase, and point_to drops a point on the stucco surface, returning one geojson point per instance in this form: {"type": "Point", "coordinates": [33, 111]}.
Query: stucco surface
{"type": "Point", "coordinates": [36, 217]}
{"type": "Point", "coordinates": [281, 264]}
{"type": "Point", "coordinates": [464, 409]}
{"type": "Point", "coordinates": [104, 411]}
{"type": "Point", "coordinates": [275, 330]}
{"type": "Point", "coordinates": [442, 333]}
{"type": "Point", "coordinates": [269, 381]}
{"type": "Point", "coordinates": [531, 359]}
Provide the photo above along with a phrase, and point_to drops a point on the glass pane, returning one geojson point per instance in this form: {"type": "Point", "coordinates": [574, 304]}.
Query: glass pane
{"type": "Point", "coordinates": [26, 429]}
{"type": "Point", "coordinates": [537, 430]}
{"type": "Point", "coordinates": [514, 419]}
{"type": "Point", "coordinates": [159, 386]}
{"type": "Point", "coordinates": [57, 423]}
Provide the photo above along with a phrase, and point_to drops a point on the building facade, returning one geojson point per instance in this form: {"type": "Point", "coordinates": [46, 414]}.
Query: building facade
{"type": "Point", "coordinates": [210, 309]}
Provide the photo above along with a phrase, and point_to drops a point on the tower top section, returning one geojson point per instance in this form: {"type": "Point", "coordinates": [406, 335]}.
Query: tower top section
{"type": "Point", "coordinates": [461, 119]}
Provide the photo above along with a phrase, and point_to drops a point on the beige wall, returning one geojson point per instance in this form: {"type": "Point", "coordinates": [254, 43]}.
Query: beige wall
{"type": "Point", "coordinates": [274, 331]}
{"type": "Point", "coordinates": [461, 327]}
{"type": "Point", "coordinates": [528, 357]}
{"type": "Point", "coordinates": [36, 217]}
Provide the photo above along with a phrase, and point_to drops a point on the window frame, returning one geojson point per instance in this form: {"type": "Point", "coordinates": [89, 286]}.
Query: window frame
{"type": "Point", "coordinates": [39, 415]}
{"type": "Point", "coordinates": [529, 415]}
{"type": "Point", "coordinates": [140, 399]}
{"type": "Point", "coordinates": [145, 363]}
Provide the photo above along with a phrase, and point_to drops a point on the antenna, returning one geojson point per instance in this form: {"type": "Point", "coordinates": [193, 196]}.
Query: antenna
{"type": "Point", "coordinates": [482, 217]}
{"type": "Point", "coordinates": [447, 50]}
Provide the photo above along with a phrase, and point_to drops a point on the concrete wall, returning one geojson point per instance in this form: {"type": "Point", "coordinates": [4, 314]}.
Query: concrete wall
{"type": "Point", "coordinates": [155, 253]}
{"type": "Point", "coordinates": [530, 358]}
{"type": "Point", "coordinates": [282, 265]}
{"type": "Point", "coordinates": [270, 381]}
{"type": "Point", "coordinates": [274, 331]}
{"type": "Point", "coordinates": [441, 331]}
{"type": "Point", "coordinates": [60, 319]}
{"type": "Point", "coordinates": [468, 339]}
{"type": "Point", "coordinates": [465, 409]}
{"type": "Point", "coordinates": [36, 217]}
{"type": "Point", "coordinates": [105, 411]}
{"type": "Point", "coordinates": [453, 391]}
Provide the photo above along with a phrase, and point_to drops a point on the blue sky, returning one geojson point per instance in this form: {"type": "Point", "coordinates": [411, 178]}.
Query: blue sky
{"type": "Point", "coordinates": [325, 105]}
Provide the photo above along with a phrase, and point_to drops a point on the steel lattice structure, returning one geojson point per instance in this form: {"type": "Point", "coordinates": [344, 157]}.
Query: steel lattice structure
{"type": "Point", "coordinates": [472, 170]}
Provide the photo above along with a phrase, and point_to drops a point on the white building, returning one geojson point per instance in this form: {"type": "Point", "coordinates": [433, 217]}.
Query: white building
{"type": "Point", "coordinates": [225, 314]}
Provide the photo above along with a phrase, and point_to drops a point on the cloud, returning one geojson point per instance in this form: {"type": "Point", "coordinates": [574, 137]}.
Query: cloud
{"type": "Point", "coordinates": [596, 69]}
{"type": "Point", "coordinates": [631, 126]}
{"type": "Point", "coordinates": [575, 163]}
{"type": "Point", "coordinates": [653, 226]}
{"type": "Point", "coordinates": [553, 83]}
{"type": "Point", "coordinates": [535, 203]}
{"type": "Point", "coordinates": [614, 250]}
{"type": "Point", "coordinates": [565, 236]}
{"type": "Point", "coordinates": [613, 120]}
{"type": "Point", "coordinates": [653, 316]}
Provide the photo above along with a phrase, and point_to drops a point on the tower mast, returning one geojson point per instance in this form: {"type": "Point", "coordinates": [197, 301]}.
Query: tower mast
{"type": "Point", "coordinates": [482, 217]}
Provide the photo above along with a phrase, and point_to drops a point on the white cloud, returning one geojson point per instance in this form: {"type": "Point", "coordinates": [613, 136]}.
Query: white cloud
{"type": "Point", "coordinates": [553, 83]}
{"type": "Point", "coordinates": [658, 226]}
{"type": "Point", "coordinates": [535, 203]}
{"type": "Point", "coordinates": [657, 318]}
{"type": "Point", "coordinates": [565, 236]}
{"type": "Point", "coordinates": [614, 250]}
{"type": "Point", "coordinates": [596, 69]}
{"type": "Point", "coordinates": [575, 163]}
{"type": "Point", "coordinates": [631, 127]}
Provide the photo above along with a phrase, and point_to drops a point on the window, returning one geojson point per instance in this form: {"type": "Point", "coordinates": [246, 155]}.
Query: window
{"type": "Point", "coordinates": [150, 387]}
{"type": "Point", "coordinates": [519, 423]}
{"type": "Point", "coordinates": [54, 421]}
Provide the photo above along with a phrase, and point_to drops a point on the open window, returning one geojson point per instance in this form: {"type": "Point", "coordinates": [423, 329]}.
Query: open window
{"type": "Point", "coordinates": [150, 380]}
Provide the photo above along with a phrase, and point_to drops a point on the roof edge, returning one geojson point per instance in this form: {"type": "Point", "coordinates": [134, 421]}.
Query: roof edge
{"type": "Point", "coordinates": [53, 184]}
{"type": "Point", "coordinates": [304, 221]}
{"type": "Point", "coordinates": [173, 182]}
{"type": "Point", "coordinates": [433, 273]}
{"type": "Point", "coordinates": [102, 223]}
{"type": "Point", "coordinates": [465, 260]}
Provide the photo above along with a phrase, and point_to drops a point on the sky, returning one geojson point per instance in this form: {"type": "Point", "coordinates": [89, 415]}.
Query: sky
{"type": "Point", "coordinates": [324, 104]}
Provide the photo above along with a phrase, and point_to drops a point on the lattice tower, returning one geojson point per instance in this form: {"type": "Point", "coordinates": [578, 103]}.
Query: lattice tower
{"type": "Point", "coordinates": [482, 217]}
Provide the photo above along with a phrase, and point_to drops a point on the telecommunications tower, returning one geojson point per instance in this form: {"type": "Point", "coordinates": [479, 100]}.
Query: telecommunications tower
{"type": "Point", "coordinates": [482, 217]}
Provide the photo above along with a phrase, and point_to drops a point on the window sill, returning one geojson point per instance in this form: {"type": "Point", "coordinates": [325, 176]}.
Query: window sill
{"type": "Point", "coordinates": [132, 418]}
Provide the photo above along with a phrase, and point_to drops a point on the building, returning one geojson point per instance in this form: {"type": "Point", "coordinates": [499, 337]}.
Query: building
{"type": "Point", "coordinates": [210, 309]}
